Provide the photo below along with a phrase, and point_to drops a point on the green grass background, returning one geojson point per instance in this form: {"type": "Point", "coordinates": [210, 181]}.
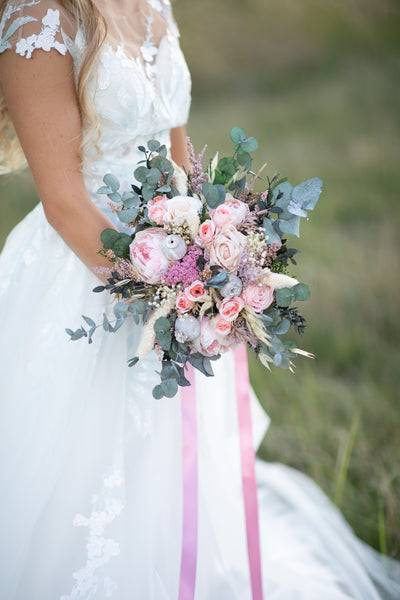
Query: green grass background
{"type": "Point", "coordinates": [317, 82]}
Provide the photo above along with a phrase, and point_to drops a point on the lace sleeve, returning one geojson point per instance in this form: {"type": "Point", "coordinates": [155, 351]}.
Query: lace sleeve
{"type": "Point", "coordinates": [36, 24]}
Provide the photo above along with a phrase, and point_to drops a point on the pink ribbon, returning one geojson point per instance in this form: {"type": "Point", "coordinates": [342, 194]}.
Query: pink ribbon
{"type": "Point", "coordinates": [187, 581]}
{"type": "Point", "coordinates": [247, 457]}
{"type": "Point", "coordinates": [190, 490]}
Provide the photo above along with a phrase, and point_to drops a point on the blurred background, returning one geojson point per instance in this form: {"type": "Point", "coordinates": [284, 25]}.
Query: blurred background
{"type": "Point", "coordinates": [317, 82]}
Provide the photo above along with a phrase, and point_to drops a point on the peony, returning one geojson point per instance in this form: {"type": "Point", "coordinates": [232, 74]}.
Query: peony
{"type": "Point", "coordinates": [206, 233]}
{"type": "Point", "coordinates": [157, 209]}
{"type": "Point", "coordinates": [238, 209]}
{"type": "Point", "coordinates": [196, 291]}
{"type": "Point", "coordinates": [209, 342]}
{"type": "Point", "coordinates": [222, 215]}
{"type": "Point", "coordinates": [183, 304]}
{"type": "Point", "coordinates": [147, 256]}
{"type": "Point", "coordinates": [227, 248]}
{"type": "Point", "coordinates": [258, 297]}
{"type": "Point", "coordinates": [230, 308]}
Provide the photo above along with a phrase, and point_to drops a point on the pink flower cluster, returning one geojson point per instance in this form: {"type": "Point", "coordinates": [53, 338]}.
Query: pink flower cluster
{"type": "Point", "coordinates": [185, 271]}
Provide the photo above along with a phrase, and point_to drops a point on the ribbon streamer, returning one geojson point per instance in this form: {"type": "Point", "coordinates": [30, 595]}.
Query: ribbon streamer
{"type": "Point", "coordinates": [247, 457]}
{"type": "Point", "coordinates": [187, 581]}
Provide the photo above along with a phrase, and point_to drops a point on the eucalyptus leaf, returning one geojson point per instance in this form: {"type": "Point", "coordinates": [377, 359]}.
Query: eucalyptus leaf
{"type": "Point", "coordinates": [169, 387]}
{"type": "Point", "coordinates": [281, 196]}
{"type": "Point", "coordinates": [128, 215]}
{"type": "Point", "coordinates": [89, 321]}
{"type": "Point", "coordinates": [153, 145]}
{"type": "Point", "coordinates": [132, 361]}
{"type": "Point", "coordinates": [283, 297]}
{"type": "Point", "coordinates": [162, 324]}
{"type": "Point", "coordinates": [290, 226]}
{"type": "Point", "coordinates": [120, 310]}
{"type": "Point", "coordinates": [114, 197]}
{"type": "Point", "coordinates": [91, 332]}
{"type": "Point", "coordinates": [109, 237]}
{"type": "Point", "coordinates": [104, 189]}
{"type": "Point", "coordinates": [106, 324]}
{"type": "Point", "coordinates": [270, 232]}
{"type": "Point", "coordinates": [168, 370]}
{"type": "Point", "coordinates": [237, 135]}
{"type": "Point", "coordinates": [249, 145]}
{"type": "Point", "coordinates": [164, 339]}
{"type": "Point", "coordinates": [121, 247]}
{"type": "Point", "coordinates": [301, 292]}
{"type": "Point", "coordinates": [244, 159]}
{"type": "Point", "coordinates": [137, 307]}
{"type": "Point", "coordinates": [307, 193]}
{"type": "Point", "coordinates": [119, 322]}
{"type": "Point", "coordinates": [111, 181]}
{"type": "Point", "coordinates": [163, 164]}
{"type": "Point", "coordinates": [154, 176]}
{"type": "Point", "coordinates": [140, 174]}
{"type": "Point", "coordinates": [282, 327]}
{"type": "Point", "coordinates": [214, 194]}
{"type": "Point", "coordinates": [78, 334]}
{"type": "Point", "coordinates": [148, 192]}
{"type": "Point", "coordinates": [219, 280]}
{"type": "Point", "coordinates": [158, 392]}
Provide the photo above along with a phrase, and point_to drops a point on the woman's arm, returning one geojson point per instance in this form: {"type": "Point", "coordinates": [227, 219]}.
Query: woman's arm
{"type": "Point", "coordinates": [41, 97]}
{"type": "Point", "coordinates": [179, 151]}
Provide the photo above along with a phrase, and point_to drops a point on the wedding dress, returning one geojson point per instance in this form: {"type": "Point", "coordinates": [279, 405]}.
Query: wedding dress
{"type": "Point", "coordinates": [91, 464]}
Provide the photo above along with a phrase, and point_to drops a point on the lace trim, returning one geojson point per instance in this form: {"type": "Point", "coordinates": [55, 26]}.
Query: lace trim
{"type": "Point", "coordinates": [91, 577]}
{"type": "Point", "coordinates": [44, 40]}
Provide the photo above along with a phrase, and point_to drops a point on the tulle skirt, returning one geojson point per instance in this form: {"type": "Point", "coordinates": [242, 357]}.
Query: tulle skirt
{"type": "Point", "coordinates": [91, 464]}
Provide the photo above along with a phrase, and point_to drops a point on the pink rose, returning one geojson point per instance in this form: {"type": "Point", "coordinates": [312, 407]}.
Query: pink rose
{"type": "Point", "coordinates": [239, 209]}
{"type": "Point", "coordinates": [183, 304]}
{"type": "Point", "coordinates": [227, 248]}
{"type": "Point", "coordinates": [258, 297]}
{"type": "Point", "coordinates": [209, 342]}
{"type": "Point", "coordinates": [206, 232]}
{"type": "Point", "coordinates": [196, 291]}
{"type": "Point", "coordinates": [157, 208]}
{"type": "Point", "coordinates": [147, 256]}
{"type": "Point", "coordinates": [222, 215]}
{"type": "Point", "coordinates": [231, 307]}
{"type": "Point", "coordinates": [222, 325]}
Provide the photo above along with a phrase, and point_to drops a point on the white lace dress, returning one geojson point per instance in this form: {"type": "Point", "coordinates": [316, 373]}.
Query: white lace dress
{"type": "Point", "coordinates": [90, 463]}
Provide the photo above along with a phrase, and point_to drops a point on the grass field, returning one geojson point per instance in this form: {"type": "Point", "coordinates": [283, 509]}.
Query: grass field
{"type": "Point", "coordinates": [318, 84]}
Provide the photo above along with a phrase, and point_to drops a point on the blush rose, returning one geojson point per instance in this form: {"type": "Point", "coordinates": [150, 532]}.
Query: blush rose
{"type": "Point", "coordinates": [230, 308]}
{"type": "Point", "coordinates": [258, 297]}
{"type": "Point", "coordinates": [227, 247]}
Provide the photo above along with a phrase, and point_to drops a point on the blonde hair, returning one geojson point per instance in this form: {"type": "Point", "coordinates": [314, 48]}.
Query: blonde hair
{"type": "Point", "coordinates": [87, 16]}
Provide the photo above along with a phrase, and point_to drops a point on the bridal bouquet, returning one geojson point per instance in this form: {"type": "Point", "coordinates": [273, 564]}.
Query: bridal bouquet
{"type": "Point", "coordinates": [206, 266]}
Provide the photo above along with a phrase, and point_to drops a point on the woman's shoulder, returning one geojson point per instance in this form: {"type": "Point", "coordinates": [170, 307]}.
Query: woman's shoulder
{"type": "Point", "coordinates": [29, 25]}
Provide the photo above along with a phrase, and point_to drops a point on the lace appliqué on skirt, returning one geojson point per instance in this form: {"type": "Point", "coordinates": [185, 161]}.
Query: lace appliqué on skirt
{"type": "Point", "coordinates": [106, 507]}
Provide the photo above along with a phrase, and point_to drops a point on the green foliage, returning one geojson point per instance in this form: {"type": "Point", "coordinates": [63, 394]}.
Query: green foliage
{"type": "Point", "coordinates": [285, 296]}
{"type": "Point", "coordinates": [214, 194]}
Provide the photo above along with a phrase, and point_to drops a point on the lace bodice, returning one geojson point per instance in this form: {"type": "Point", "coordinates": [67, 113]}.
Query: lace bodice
{"type": "Point", "coordinates": [140, 85]}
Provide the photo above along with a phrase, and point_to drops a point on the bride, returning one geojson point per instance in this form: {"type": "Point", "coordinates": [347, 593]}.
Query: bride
{"type": "Point", "coordinates": [91, 464]}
